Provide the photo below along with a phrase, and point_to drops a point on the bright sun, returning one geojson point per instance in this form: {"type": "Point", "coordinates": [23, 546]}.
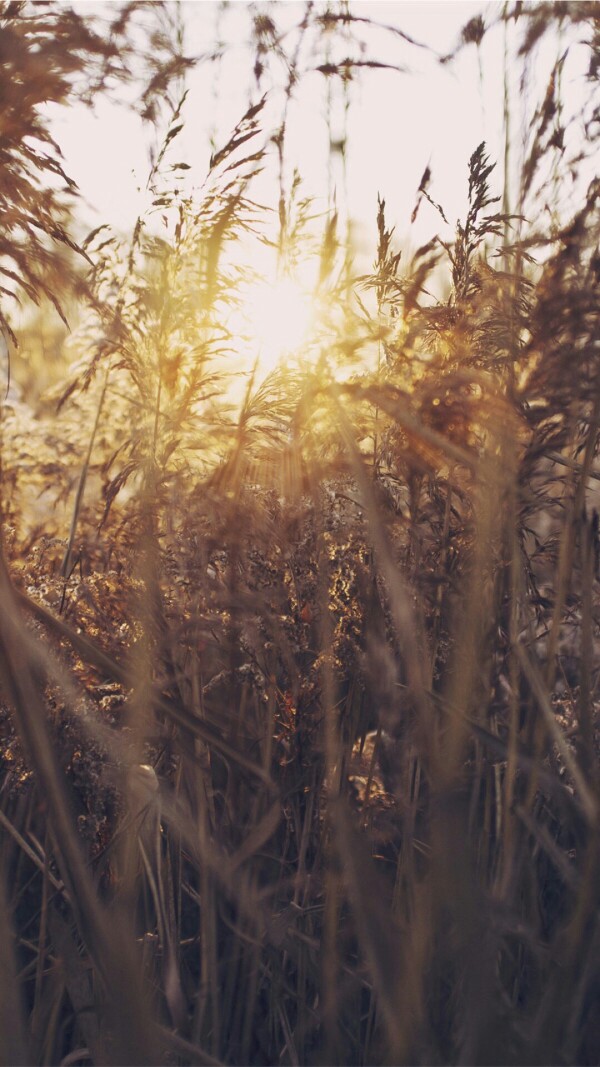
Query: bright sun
{"type": "Point", "coordinates": [278, 320]}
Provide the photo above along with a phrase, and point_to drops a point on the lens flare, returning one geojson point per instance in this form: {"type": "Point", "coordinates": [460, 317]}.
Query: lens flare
{"type": "Point", "coordinates": [279, 318]}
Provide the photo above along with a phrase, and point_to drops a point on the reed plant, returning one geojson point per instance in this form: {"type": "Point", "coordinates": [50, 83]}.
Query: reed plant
{"type": "Point", "coordinates": [299, 680]}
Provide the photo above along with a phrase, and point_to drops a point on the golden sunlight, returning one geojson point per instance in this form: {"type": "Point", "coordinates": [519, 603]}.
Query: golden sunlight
{"type": "Point", "coordinates": [278, 320]}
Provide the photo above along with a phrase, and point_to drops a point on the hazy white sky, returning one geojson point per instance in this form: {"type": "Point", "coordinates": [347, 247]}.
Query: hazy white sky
{"type": "Point", "coordinates": [399, 123]}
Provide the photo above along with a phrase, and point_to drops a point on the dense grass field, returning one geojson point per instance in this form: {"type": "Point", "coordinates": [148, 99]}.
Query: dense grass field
{"type": "Point", "coordinates": [299, 658]}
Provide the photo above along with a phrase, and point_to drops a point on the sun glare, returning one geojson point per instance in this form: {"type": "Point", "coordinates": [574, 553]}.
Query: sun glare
{"type": "Point", "coordinates": [278, 318]}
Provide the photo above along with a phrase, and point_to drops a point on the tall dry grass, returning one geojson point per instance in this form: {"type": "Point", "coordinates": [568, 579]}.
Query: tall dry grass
{"type": "Point", "coordinates": [299, 745]}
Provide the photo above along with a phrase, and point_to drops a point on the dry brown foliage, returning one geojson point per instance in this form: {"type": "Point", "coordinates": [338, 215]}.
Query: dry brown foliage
{"type": "Point", "coordinates": [299, 744]}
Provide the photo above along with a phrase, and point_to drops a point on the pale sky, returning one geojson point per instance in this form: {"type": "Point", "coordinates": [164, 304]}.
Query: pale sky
{"type": "Point", "coordinates": [434, 115]}
{"type": "Point", "coordinates": [399, 123]}
{"type": "Point", "coordinates": [430, 115]}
